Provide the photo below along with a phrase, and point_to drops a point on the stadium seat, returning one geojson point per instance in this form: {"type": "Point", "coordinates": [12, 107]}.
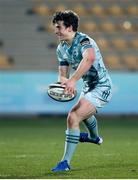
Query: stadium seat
{"type": "Point", "coordinates": [133, 10]}
{"type": "Point", "coordinates": [103, 43]}
{"type": "Point", "coordinates": [46, 27]}
{"type": "Point", "coordinates": [59, 7]}
{"type": "Point", "coordinates": [42, 10]}
{"type": "Point", "coordinates": [131, 61]}
{"type": "Point", "coordinates": [80, 10]}
{"type": "Point", "coordinates": [108, 26]}
{"type": "Point", "coordinates": [134, 43]}
{"type": "Point", "coordinates": [120, 43]}
{"type": "Point", "coordinates": [115, 10]}
{"type": "Point", "coordinates": [5, 61]}
{"type": "Point", "coordinates": [89, 26]}
{"type": "Point", "coordinates": [113, 62]}
{"type": "Point", "coordinates": [97, 10]}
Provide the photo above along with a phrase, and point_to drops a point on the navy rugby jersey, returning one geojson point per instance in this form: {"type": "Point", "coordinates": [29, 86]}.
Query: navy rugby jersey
{"type": "Point", "coordinates": [71, 55]}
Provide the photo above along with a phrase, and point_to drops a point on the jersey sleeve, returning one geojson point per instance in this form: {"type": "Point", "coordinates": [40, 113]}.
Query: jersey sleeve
{"type": "Point", "coordinates": [85, 43]}
{"type": "Point", "coordinates": [61, 60]}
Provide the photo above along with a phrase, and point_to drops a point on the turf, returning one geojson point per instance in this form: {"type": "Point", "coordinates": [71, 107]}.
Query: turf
{"type": "Point", "coordinates": [30, 147]}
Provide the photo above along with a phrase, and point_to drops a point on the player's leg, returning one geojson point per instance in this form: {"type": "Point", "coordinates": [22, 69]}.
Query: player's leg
{"type": "Point", "coordinates": [93, 135]}
{"type": "Point", "coordinates": [98, 98]}
{"type": "Point", "coordinates": [83, 110]}
{"type": "Point", "coordinates": [92, 126]}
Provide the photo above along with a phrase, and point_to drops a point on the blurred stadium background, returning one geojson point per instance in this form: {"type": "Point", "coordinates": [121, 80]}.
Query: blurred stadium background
{"type": "Point", "coordinates": [28, 52]}
{"type": "Point", "coordinates": [28, 57]}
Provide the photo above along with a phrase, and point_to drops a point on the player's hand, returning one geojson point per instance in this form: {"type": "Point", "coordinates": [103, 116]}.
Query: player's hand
{"type": "Point", "coordinates": [70, 86]}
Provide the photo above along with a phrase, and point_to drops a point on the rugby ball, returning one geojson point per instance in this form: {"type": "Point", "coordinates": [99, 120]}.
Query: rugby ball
{"type": "Point", "coordinates": [56, 92]}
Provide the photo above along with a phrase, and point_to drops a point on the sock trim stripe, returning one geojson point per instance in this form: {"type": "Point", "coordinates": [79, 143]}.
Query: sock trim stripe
{"type": "Point", "coordinates": [93, 126]}
{"type": "Point", "coordinates": [94, 122]}
{"type": "Point", "coordinates": [68, 138]}
{"type": "Point", "coordinates": [69, 135]}
{"type": "Point", "coordinates": [72, 142]}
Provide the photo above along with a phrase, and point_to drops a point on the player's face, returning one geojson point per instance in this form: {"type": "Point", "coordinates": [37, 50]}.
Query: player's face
{"type": "Point", "coordinates": [61, 31]}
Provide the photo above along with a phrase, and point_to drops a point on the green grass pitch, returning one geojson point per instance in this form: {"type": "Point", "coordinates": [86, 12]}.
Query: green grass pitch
{"type": "Point", "coordinates": [30, 147]}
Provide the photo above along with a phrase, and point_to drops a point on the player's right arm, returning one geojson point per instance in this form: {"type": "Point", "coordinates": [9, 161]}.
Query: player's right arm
{"type": "Point", "coordinates": [63, 74]}
{"type": "Point", "coordinates": [63, 65]}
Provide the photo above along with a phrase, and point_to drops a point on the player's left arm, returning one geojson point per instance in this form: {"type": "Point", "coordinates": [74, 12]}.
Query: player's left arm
{"type": "Point", "coordinates": [84, 66]}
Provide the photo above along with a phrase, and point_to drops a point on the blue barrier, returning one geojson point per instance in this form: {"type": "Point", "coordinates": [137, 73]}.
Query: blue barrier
{"type": "Point", "coordinates": [25, 93]}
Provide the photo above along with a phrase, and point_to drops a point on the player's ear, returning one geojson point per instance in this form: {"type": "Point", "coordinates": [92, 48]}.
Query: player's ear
{"type": "Point", "coordinates": [70, 28]}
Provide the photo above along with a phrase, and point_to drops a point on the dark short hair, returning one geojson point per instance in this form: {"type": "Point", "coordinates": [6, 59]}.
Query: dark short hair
{"type": "Point", "coordinates": [68, 17]}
